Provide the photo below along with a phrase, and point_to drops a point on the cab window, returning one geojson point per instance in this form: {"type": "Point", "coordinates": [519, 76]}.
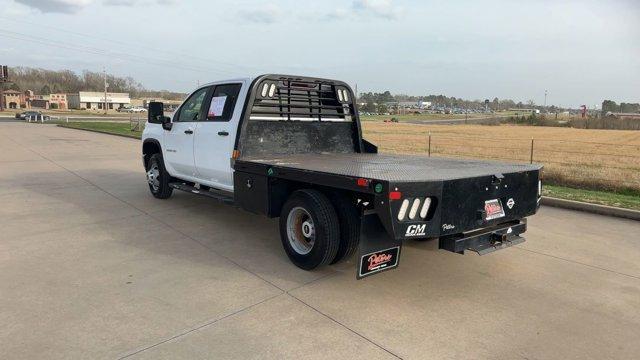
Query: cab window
{"type": "Point", "coordinates": [223, 102]}
{"type": "Point", "coordinates": [192, 108]}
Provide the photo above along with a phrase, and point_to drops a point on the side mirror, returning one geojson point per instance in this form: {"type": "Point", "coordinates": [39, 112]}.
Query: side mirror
{"type": "Point", "coordinates": [156, 112]}
{"type": "Point", "coordinates": [156, 115]}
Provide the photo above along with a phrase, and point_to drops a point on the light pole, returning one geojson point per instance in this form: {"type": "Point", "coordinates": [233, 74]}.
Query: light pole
{"type": "Point", "coordinates": [4, 77]}
{"type": "Point", "coordinates": [105, 90]}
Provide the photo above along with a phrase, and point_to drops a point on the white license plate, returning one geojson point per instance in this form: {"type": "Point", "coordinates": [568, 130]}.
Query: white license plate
{"type": "Point", "coordinates": [493, 209]}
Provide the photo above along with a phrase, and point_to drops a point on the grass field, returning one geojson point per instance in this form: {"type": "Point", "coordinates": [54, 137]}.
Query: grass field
{"type": "Point", "coordinates": [594, 160]}
{"type": "Point", "coordinates": [116, 128]}
{"type": "Point", "coordinates": [591, 196]}
{"type": "Point", "coordinates": [427, 117]}
{"type": "Point", "coordinates": [581, 158]}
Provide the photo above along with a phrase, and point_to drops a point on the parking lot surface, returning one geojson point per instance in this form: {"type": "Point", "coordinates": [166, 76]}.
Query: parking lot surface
{"type": "Point", "coordinates": [92, 266]}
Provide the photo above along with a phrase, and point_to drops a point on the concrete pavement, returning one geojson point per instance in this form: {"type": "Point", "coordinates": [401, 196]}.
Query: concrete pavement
{"type": "Point", "coordinates": [92, 266]}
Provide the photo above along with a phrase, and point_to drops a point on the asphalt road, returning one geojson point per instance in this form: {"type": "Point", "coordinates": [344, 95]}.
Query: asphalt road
{"type": "Point", "coordinates": [92, 266]}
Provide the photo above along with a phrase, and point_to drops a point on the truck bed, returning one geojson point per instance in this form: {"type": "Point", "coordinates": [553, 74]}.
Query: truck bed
{"type": "Point", "coordinates": [390, 167]}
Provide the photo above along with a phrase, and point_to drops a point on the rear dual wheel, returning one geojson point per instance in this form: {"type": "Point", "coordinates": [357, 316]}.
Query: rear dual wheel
{"type": "Point", "coordinates": [314, 232]}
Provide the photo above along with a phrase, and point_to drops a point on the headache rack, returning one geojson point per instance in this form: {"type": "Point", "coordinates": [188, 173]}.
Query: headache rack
{"type": "Point", "coordinates": [301, 99]}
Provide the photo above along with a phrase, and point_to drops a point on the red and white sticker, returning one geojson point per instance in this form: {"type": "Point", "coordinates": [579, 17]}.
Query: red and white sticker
{"type": "Point", "coordinates": [493, 209]}
{"type": "Point", "coordinates": [378, 261]}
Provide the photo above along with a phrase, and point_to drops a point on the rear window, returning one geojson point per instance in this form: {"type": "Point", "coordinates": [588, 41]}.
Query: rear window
{"type": "Point", "coordinates": [223, 102]}
{"type": "Point", "coordinates": [301, 100]}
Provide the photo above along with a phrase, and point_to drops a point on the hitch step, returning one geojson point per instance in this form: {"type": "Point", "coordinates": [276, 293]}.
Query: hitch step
{"type": "Point", "coordinates": [485, 241]}
{"type": "Point", "coordinates": [486, 248]}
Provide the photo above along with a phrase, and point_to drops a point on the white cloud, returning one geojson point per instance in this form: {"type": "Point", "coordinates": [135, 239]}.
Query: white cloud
{"type": "Point", "coordinates": [119, 2]}
{"type": "Point", "coordinates": [137, 2]}
{"type": "Point", "coordinates": [56, 6]}
{"type": "Point", "coordinates": [377, 8]}
{"type": "Point", "coordinates": [266, 14]}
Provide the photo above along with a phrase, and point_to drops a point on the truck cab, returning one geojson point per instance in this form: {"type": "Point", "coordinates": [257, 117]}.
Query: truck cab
{"type": "Point", "coordinates": [292, 147]}
{"type": "Point", "coordinates": [200, 139]}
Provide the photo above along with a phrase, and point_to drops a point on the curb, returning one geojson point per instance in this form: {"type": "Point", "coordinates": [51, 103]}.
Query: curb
{"type": "Point", "coordinates": [591, 208]}
{"type": "Point", "coordinates": [100, 131]}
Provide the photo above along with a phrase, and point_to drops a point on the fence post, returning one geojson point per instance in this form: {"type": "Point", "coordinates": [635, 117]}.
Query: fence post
{"type": "Point", "coordinates": [67, 119]}
{"type": "Point", "coordinates": [531, 156]}
{"type": "Point", "coordinates": [429, 143]}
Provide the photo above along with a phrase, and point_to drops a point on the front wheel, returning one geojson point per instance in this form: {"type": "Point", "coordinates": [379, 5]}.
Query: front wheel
{"type": "Point", "coordinates": [309, 229]}
{"type": "Point", "coordinates": [158, 177]}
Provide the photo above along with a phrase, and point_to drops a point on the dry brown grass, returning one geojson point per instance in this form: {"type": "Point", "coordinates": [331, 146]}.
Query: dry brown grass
{"type": "Point", "coordinates": [595, 159]}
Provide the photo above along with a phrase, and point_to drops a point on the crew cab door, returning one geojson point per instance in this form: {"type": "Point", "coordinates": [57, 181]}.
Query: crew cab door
{"type": "Point", "coordinates": [215, 136]}
{"type": "Point", "coordinates": [178, 142]}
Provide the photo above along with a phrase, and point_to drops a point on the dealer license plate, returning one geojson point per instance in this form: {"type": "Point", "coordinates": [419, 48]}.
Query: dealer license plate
{"type": "Point", "coordinates": [493, 209]}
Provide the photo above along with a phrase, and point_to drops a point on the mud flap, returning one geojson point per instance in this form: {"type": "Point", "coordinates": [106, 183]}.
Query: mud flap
{"type": "Point", "coordinates": [377, 251]}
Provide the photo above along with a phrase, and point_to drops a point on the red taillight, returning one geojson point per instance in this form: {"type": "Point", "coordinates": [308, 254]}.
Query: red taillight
{"type": "Point", "coordinates": [362, 182]}
{"type": "Point", "coordinates": [395, 195]}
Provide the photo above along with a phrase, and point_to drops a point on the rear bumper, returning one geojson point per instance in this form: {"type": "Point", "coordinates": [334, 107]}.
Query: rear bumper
{"type": "Point", "coordinates": [486, 240]}
{"type": "Point", "coordinates": [378, 251]}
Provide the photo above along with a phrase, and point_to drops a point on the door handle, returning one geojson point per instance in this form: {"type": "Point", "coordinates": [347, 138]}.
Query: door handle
{"type": "Point", "coordinates": [188, 131]}
{"type": "Point", "coordinates": [223, 133]}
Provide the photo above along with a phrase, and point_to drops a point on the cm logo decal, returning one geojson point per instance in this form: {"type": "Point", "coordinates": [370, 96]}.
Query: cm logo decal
{"type": "Point", "coordinates": [415, 230]}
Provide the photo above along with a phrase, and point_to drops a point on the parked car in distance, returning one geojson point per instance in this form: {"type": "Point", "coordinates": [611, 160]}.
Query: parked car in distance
{"type": "Point", "coordinates": [134, 109]}
{"type": "Point", "coordinates": [34, 115]}
{"type": "Point", "coordinates": [137, 109]}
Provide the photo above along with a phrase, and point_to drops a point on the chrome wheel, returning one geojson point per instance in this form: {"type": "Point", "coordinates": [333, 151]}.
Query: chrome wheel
{"type": "Point", "coordinates": [300, 230]}
{"type": "Point", "coordinates": [153, 176]}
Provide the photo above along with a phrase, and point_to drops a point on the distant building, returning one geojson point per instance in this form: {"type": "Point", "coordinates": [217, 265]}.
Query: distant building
{"type": "Point", "coordinates": [60, 100]}
{"type": "Point", "coordinates": [405, 104]}
{"type": "Point", "coordinates": [39, 101]}
{"type": "Point", "coordinates": [95, 100]}
{"type": "Point", "coordinates": [424, 104]}
{"type": "Point", "coordinates": [169, 105]}
{"type": "Point", "coordinates": [634, 116]}
{"type": "Point", "coordinates": [523, 111]}
{"type": "Point", "coordinates": [12, 99]}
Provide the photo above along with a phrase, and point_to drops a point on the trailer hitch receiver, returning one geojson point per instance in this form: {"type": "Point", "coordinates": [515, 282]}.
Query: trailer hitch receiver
{"type": "Point", "coordinates": [487, 240]}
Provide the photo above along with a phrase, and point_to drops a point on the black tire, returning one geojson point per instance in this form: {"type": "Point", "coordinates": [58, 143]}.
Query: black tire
{"type": "Point", "coordinates": [349, 220]}
{"type": "Point", "coordinates": [324, 226]}
{"type": "Point", "coordinates": [162, 190]}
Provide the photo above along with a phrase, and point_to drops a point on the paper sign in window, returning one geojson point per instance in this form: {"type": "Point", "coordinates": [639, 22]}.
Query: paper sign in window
{"type": "Point", "coordinates": [217, 106]}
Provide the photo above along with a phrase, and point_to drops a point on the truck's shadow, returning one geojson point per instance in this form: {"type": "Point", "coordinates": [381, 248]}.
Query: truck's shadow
{"type": "Point", "coordinates": [250, 241]}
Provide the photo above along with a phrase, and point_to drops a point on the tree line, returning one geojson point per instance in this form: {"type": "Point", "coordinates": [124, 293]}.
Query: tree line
{"type": "Point", "coordinates": [45, 82]}
{"type": "Point", "coordinates": [374, 101]}
{"type": "Point", "coordinates": [611, 106]}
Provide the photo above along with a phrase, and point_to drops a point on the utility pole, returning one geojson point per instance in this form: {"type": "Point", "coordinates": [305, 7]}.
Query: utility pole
{"type": "Point", "coordinates": [1, 95]}
{"type": "Point", "coordinates": [105, 90]}
{"type": "Point", "coordinates": [4, 77]}
{"type": "Point", "coordinates": [545, 100]}
{"type": "Point", "coordinates": [1, 92]}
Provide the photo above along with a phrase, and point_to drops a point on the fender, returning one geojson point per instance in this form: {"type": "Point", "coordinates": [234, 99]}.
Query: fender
{"type": "Point", "coordinates": [145, 144]}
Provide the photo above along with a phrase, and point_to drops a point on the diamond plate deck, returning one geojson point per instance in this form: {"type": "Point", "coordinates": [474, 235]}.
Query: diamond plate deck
{"type": "Point", "coordinates": [391, 167]}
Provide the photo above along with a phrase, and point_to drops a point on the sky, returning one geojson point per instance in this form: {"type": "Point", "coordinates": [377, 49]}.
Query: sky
{"type": "Point", "coordinates": [581, 52]}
